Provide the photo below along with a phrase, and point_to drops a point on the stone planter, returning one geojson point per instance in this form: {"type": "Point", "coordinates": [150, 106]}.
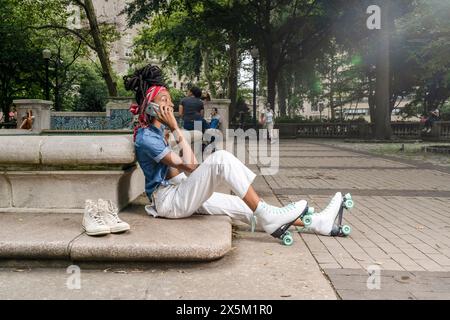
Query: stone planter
{"type": "Point", "coordinates": [41, 113]}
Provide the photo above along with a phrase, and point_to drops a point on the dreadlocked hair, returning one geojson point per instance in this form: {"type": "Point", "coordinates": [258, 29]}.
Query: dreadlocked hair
{"type": "Point", "coordinates": [142, 80]}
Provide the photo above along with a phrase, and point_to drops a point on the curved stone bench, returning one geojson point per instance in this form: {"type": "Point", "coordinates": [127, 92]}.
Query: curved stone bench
{"type": "Point", "coordinates": [58, 173]}
{"type": "Point", "coordinates": [44, 182]}
{"type": "Point", "coordinates": [66, 150]}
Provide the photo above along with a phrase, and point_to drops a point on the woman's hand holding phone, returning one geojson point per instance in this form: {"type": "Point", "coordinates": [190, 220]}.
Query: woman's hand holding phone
{"type": "Point", "coordinates": [167, 116]}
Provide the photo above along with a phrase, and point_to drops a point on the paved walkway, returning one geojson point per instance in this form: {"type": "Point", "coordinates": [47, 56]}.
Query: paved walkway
{"type": "Point", "coordinates": [401, 222]}
{"type": "Point", "coordinates": [401, 225]}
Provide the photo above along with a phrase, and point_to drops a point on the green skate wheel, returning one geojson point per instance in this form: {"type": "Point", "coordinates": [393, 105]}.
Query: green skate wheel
{"type": "Point", "coordinates": [288, 240]}
{"type": "Point", "coordinates": [288, 234]}
{"type": "Point", "coordinates": [346, 230]}
{"type": "Point", "coordinates": [348, 196]}
{"type": "Point", "coordinates": [307, 221]}
{"type": "Point", "coordinates": [349, 204]}
{"type": "Point", "coordinates": [301, 229]}
{"type": "Point", "coordinates": [311, 211]}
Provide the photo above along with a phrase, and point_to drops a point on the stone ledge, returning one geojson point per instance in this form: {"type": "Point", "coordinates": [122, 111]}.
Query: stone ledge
{"type": "Point", "coordinates": [60, 150]}
{"type": "Point", "coordinates": [37, 236]}
{"type": "Point", "coordinates": [60, 237]}
{"type": "Point", "coordinates": [67, 190]}
{"type": "Point", "coordinates": [78, 114]}
{"type": "Point", "coordinates": [33, 102]}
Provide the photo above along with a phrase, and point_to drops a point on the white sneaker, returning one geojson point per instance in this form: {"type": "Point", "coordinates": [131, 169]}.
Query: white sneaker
{"type": "Point", "coordinates": [272, 218]}
{"type": "Point", "coordinates": [110, 214]}
{"type": "Point", "coordinates": [93, 222]}
{"type": "Point", "coordinates": [323, 222]}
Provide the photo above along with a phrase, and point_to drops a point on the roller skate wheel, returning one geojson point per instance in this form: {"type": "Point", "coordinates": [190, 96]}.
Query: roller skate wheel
{"type": "Point", "coordinates": [346, 230]}
{"type": "Point", "coordinates": [348, 196]}
{"type": "Point", "coordinates": [288, 240]}
{"type": "Point", "coordinates": [311, 211]}
{"type": "Point", "coordinates": [349, 204]}
{"type": "Point", "coordinates": [288, 234]}
{"type": "Point", "coordinates": [307, 221]}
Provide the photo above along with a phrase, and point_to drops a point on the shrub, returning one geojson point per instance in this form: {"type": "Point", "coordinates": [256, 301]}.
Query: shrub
{"type": "Point", "coordinates": [93, 95]}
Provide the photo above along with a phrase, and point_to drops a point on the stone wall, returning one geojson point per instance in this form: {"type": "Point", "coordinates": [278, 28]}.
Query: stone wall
{"type": "Point", "coordinates": [58, 173]}
{"type": "Point", "coordinates": [116, 117]}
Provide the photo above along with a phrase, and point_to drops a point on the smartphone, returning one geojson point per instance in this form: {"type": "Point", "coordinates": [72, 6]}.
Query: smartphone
{"type": "Point", "coordinates": [152, 109]}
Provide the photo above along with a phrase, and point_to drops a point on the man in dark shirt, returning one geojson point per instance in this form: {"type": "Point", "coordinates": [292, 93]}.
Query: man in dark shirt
{"type": "Point", "coordinates": [192, 108]}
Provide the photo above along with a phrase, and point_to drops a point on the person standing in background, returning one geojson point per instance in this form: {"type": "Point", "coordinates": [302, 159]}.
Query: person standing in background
{"type": "Point", "coordinates": [268, 120]}
{"type": "Point", "coordinates": [192, 109]}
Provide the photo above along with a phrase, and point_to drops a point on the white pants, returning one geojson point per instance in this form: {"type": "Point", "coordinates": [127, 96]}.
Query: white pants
{"type": "Point", "coordinates": [270, 129]}
{"type": "Point", "coordinates": [196, 193]}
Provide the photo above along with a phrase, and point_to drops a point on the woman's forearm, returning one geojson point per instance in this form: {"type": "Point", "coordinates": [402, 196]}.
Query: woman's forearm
{"type": "Point", "coordinates": [188, 155]}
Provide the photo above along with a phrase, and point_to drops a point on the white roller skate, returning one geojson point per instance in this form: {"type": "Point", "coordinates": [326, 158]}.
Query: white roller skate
{"type": "Point", "coordinates": [329, 221]}
{"type": "Point", "coordinates": [276, 221]}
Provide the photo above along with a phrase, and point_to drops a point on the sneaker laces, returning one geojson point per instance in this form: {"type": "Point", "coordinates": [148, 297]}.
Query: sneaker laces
{"type": "Point", "coordinates": [94, 214]}
{"type": "Point", "coordinates": [113, 212]}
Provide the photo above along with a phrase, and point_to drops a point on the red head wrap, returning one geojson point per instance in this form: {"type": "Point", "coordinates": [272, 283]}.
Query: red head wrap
{"type": "Point", "coordinates": [135, 109]}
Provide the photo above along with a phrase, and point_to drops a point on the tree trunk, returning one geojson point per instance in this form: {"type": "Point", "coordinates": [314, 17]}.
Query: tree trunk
{"type": "Point", "coordinates": [103, 55]}
{"type": "Point", "coordinates": [207, 72]}
{"type": "Point", "coordinates": [371, 97]}
{"type": "Point", "coordinates": [233, 74]}
{"type": "Point", "coordinates": [5, 97]}
{"type": "Point", "coordinates": [332, 106]}
{"type": "Point", "coordinates": [332, 78]}
{"type": "Point", "coordinates": [382, 115]}
{"type": "Point", "coordinates": [272, 77]}
{"type": "Point", "coordinates": [5, 103]}
{"type": "Point", "coordinates": [282, 94]}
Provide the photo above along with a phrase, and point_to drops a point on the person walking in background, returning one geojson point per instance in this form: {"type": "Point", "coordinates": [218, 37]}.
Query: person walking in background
{"type": "Point", "coordinates": [192, 109]}
{"type": "Point", "coordinates": [269, 122]}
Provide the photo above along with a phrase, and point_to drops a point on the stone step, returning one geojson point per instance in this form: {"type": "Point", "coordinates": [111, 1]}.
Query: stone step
{"type": "Point", "coordinates": [59, 236]}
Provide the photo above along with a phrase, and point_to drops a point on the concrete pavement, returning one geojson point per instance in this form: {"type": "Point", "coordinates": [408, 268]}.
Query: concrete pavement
{"type": "Point", "coordinates": [400, 231]}
{"type": "Point", "coordinates": [400, 222]}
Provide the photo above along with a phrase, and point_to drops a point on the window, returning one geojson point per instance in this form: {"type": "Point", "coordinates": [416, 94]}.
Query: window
{"type": "Point", "coordinates": [362, 112]}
